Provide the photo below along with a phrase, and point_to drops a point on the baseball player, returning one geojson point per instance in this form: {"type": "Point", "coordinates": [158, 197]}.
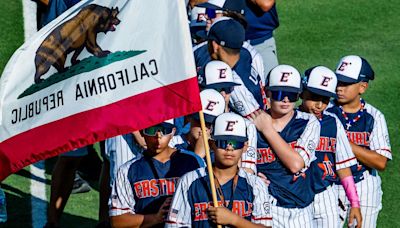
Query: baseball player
{"type": "Point", "coordinates": [367, 131]}
{"type": "Point", "coordinates": [142, 190]}
{"type": "Point", "coordinates": [243, 198]}
{"type": "Point", "coordinates": [286, 144]}
{"type": "Point", "coordinates": [218, 75]}
{"type": "Point", "coordinates": [333, 153]}
{"type": "Point", "coordinates": [225, 43]}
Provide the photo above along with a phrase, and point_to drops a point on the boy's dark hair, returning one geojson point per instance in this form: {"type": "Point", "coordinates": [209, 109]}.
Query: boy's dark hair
{"type": "Point", "coordinates": [237, 17]}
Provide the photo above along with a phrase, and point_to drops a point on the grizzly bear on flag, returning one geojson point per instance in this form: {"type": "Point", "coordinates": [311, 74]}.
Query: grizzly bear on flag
{"type": "Point", "coordinates": [74, 35]}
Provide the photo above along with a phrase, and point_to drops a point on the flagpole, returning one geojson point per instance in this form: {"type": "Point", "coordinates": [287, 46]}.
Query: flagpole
{"type": "Point", "coordinates": [208, 160]}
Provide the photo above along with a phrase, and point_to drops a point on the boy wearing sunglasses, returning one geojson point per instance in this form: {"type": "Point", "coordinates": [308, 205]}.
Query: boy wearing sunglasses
{"type": "Point", "coordinates": [286, 143]}
{"type": "Point", "coordinates": [368, 134]}
{"type": "Point", "coordinates": [333, 154]}
{"type": "Point", "coordinates": [141, 193]}
{"type": "Point", "coordinates": [243, 198]}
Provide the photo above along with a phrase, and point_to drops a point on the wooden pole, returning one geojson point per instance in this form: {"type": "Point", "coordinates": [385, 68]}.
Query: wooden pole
{"type": "Point", "coordinates": [208, 160]}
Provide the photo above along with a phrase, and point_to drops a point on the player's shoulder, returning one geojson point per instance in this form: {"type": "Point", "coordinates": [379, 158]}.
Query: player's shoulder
{"type": "Point", "coordinates": [124, 168]}
{"type": "Point", "coordinates": [188, 178]}
{"type": "Point", "coordinates": [251, 179]}
{"type": "Point", "coordinates": [305, 116]}
{"type": "Point", "coordinates": [252, 51]}
{"type": "Point", "coordinates": [373, 111]}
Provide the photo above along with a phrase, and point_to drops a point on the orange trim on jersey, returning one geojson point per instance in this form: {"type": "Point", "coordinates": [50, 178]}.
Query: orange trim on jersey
{"type": "Point", "coordinates": [341, 162]}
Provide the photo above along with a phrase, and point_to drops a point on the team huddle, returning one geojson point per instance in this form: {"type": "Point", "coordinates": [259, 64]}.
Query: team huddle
{"type": "Point", "coordinates": [287, 149]}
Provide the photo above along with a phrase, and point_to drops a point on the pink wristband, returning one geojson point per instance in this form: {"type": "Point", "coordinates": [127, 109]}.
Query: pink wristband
{"type": "Point", "coordinates": [351, 191]}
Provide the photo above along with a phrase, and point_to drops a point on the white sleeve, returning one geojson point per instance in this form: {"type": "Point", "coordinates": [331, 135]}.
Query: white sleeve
{"type": "Point", "coordinates": [261, 205]}
{"type": "Point", "coordinates": [308, 141]}
{"type": "Point", "coordinates": [344, 155]}
{"type": "Point", "coordinates": [180, 211]}
{"type": "Point", "coordinates": [379, 138]}
{"type": "Point", "coordinates": [121, 200]}
{"type": "Point", "coordinates": [249, 157]}
{"type": "Point", "coordinates": [242, 100]}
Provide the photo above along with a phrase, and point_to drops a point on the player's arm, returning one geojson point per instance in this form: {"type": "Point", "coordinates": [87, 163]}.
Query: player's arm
{"type": "Point", "coordinates": [136, 220]}
{"type": "Point", "coordinates": [249, 156]}
{"type": "Point", "coordinates": [289, 157]}
{"type": "Point", "coordinates": [265, 5]}
{"type": "Point", "coordinates": [379, 148]}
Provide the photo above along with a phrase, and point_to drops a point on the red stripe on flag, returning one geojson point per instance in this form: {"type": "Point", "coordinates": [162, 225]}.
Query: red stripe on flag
{"type": "Point", "coordinates": [133, 113]}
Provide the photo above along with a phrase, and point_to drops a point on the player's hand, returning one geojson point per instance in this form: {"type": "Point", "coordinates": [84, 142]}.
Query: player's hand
{"type": "Point", "coordinates": [221, 215]}
{"type": "Point", "coordinates": [261, 119]}
{"type": "Point", "coordinates": [164, 209]}
{"type": "Point", "coordinates": [264, 178]}
{"type": "Point", "coordinates": [355, 214]}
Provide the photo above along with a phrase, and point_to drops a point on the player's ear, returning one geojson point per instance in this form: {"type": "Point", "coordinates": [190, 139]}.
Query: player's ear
{"type": "Point", "coordinates": [363, 87]}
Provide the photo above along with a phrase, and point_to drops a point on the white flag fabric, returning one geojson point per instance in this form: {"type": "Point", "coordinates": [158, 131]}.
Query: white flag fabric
{"type": "Point", "coordinates": [101, 69]}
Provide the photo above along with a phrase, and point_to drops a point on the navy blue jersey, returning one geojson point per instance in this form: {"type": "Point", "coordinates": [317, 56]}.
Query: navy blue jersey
{"type": "Point", "coordinates": [290, 190]}
{"type": "Point", "coordinates": [333, 152]}
{"type": "Point", "coordinates": [260, 24]}
{"type": "Point", "coordinates": [369, 131]}
{"type": "Point", "coordinates": [249, 69]}
{"type": "Point", "coordinates": [142, 185]}
{"type": "Point", "coordinates": [193, 196]}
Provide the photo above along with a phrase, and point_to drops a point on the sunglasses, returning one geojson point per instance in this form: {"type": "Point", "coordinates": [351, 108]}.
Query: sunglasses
{"type": "Point", "coordinates": [223, 144]}
{"type": "Point", "coordinates": [152, 131]}
{"type": "Point", "coordinates": [211, 13]}
{"type": "Point", "coordinates": [280, 96]}
{"type": "Point", "coordinates": [227, 90]}
{"type": "Point", "coordinates": [316, 97]}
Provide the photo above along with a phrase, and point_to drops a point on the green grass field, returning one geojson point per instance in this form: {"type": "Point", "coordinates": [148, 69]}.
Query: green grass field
{"type": "Point", "coordinates": [311, 33]}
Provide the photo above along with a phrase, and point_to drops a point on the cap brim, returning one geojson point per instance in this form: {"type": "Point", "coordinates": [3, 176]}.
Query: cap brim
{"type": "Point", "coordinates": [221, 85]}
{"type": "Point", "coordinates": [342, 78]}
{"type": "Point", "coordinates": [284, 88]}
{"type": "Point", "coordinates": [230, 137]}
{"type": "Point", "coordinates": [207, 117]}
{"type": "Point", "coordinates": [321, 92]}
{"type": "Point", "coordinates": [209, 6]}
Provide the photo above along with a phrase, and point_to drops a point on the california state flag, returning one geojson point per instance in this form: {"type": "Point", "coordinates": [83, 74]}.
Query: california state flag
{"type": "Point", "coordinates": [103, 68]}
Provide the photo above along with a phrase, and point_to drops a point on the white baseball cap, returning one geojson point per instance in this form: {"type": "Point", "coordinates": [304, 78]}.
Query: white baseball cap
{"type": "Point", "coordinates": [230, 126]}
{"type": "Point", "coordinates": [198, 18]}
{"type": "Point", "coordinates": [218, 74]}
{"type": "Point", "coordinates": [284, 78]}
{"type": "Point", "coordinates": [213, 104]}
{"type": "Point", "coordinates": [353, 69]}
{"type": "Point", "coordinates": [320, 80]}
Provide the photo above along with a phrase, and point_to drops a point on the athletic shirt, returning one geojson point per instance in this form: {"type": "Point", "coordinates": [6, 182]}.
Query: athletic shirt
{"type": "Point", "coordinates": [333, 152]}
{"type": "Point", "coordinates": [260, 24]}
{"type": "Point", "coordinates": [291, 190]}
{"type": "Point", "coordinates": [370, 132]}
{"type": "Point", "coordinates": [248, 72]}
{"type": "Point", "coordinates": [143, 185]}
{"type": "Point", "coordinates": [193, 197]}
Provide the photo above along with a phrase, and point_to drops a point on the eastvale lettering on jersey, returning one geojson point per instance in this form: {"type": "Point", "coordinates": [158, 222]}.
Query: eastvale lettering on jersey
{"type": "Point", "coordinates": [155, 187]}
{"type": "Point", "coordinates": [239, 207]}
{"type": "Point", "coordinates": [266, 155]}
{"type": "Point", "coordinates": [359, 138]}
{"type": "Point", "coordinates": [326, 144]}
